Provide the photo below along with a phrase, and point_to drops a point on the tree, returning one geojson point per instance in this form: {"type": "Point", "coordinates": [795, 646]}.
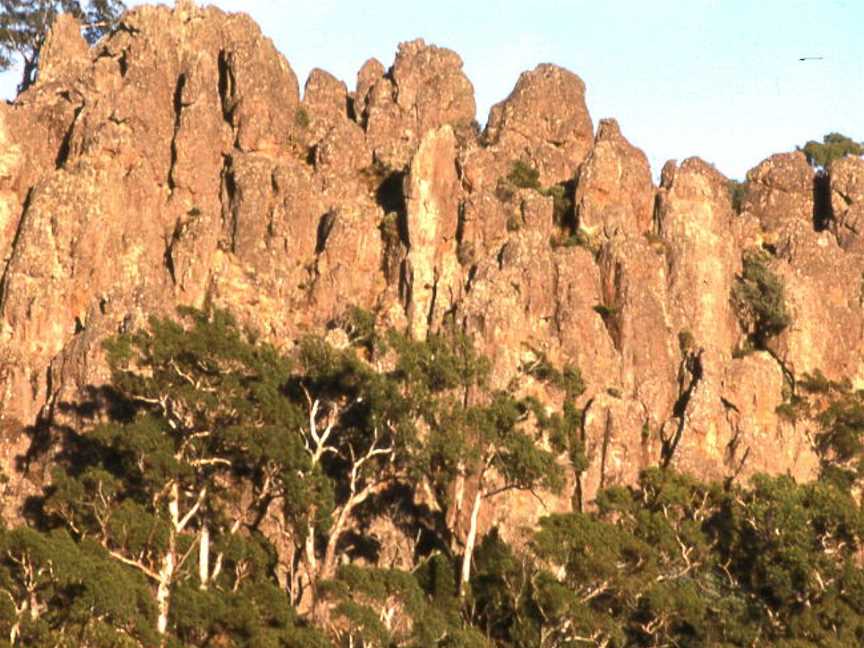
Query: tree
{"type": "Point", "coordinates": [833, 147]}
{"type": "Point", "coordinates": [356, 425]}
{"type": "Point", "coordinates": [58, 592]}
{"type": "Point", "coordinates": [478, 443]}
{"type": "Point", "coordinates": [759, 299]}
{"type": "Point", "coordinates": [390, 608]}
{"type": "Point", "coordinates": [24, 25]}
{"type": "Point", "coordinates": [837, 410]}
{"type": "Point", "coordinates": [796, 551]}
{"type": "Point", "coordinates": [219, 458]}
{"type": "Point", "coordinates": [212, 434]}
{"type": "Point", "coordinates": [198, 418]}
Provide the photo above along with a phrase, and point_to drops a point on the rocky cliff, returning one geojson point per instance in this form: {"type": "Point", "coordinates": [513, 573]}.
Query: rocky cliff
{"type": "Point", "coordinates": [177, 162]}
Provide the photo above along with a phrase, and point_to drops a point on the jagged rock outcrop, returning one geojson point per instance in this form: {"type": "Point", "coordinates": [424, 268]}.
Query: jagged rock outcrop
{"type": "Point", "coordinates": [424, 89]}
{"type": "Point", "coordinates": [545, 119]}
{"type": "Point", "coordinates": [847, 202]}
{"type": "Point", "coordinates": [780, 189]}
{"type": "Point", "coordinates": [432, 213]}
{"type": "Point", "coordinates": [695, 225]}
{"type": "Point", "coordinates": [175, 163]}
{"type": "Point", "coordinates": [825, 295]}
{"type": "Point", "coordinates": [615, 193]}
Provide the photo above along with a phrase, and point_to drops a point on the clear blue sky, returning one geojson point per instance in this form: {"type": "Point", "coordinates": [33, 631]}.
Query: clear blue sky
{"type": "Point", "coordinates": [716, 78]}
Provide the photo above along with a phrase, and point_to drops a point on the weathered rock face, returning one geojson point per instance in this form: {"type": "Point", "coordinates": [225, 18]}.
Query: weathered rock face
{"type": "Point", "coordinates": [546, 120]}
{"type": "Point", "coordinates": [615, 194]}
{"type": "Point", "coordinates": [424, 89]}
{"type": "Point", "coordinates": [781, 189]}
{"type": "Point", "coordinates": [176, 164]}
{"type": "Point", "coordinates": [825, 295]}
{"type": "Point", "coordinates": [432, 210]}
{"type": "Point", "coordinates": [847, 202]}
{"type": "Point", "coordinates": [760, 440]}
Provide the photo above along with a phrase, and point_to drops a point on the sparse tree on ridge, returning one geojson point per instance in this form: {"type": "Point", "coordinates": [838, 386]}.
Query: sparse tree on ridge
{"type": "Point", "coordinates": [24, 25]}
{"type": "Point", "coordinates": [833, 147]}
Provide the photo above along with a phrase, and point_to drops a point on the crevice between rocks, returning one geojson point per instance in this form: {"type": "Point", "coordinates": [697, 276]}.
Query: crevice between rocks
{"type": "Point", "coordinates": [325, 227]}
{"type": "Point", "coordinates": [689, 376]}
{"type": "Point", "coordinates": [733, 419]}
{"type": "Point", "coordinates": [227, 88]}
{"type": "Point", "coordinates": [13, 247]}
{"type": "Point", "coordinates": [178, 111]}
{"type": "Point", "coordinates": [604, 450]}
{"type": "Point", "coordinates": [168, 257]}
{"type": "Point", "coordinates": [577, 501]}
{"type": "Point", "coordinates": [228, 199]}
{"type": "Point", "coordinates": [65, 145]}
{"type": "Point", "coordinates": [823, 211]}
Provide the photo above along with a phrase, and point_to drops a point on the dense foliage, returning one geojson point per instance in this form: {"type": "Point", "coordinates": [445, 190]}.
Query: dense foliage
{"type": "Point", "coordinates": [737, 194]}
{"type": "Point", "coordinates": [758, 297]}
{"type": "Point", "coordinates": [24, 24]}
{"type": "Point", "coordinates": [833, 146]}
{"type": "Point", "coordinates": [522, 175]}
{"type": "Point", "coordinates": [234, 495]}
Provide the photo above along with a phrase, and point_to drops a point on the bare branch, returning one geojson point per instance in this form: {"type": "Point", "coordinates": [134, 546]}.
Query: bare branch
{"type": "Point", "coordinates": [133, 563]}
{"type": "Point", "coordinates": [202, 494]}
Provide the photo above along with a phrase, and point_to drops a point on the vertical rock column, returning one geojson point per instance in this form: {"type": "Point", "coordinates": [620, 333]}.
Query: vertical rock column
{"type": "Point", "coordinates": [695, 221]}
{"type": "Point", "coordinates": [432, 201]}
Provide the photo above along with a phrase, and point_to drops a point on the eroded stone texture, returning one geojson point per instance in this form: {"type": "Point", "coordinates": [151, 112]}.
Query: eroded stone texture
{"type": "Point", "coordinates": [780, 189]}
{"type": "Point", "coordinates": [424, 90]}
{"type": "Point", "coordinates": [825, 296]}
{"type": "Point", "coordinates": [634, 276]}
{"type": "Point", "coordinates": [431, 192]}
{"type": "Point", "coordinates": [695, 223]}
{"type": "Point", "coordinates": [753, 390]}
{"type": "Point", "coordinates": [11, 198]}
{"type": "Point", "coordinates": [546, 121]}
{"type": "Point", "coordinates": [175, 164]}
{"type": "Point", "coordinates": [847, 202]}
{"type": "Point", "coordinates": [615, 193]}
{"type": "Point", "coordinates": [618, 445]}
{"type": "Point", "coordinates": [64, 52]}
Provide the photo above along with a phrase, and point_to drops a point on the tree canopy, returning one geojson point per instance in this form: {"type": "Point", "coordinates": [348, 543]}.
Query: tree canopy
{"type": "Point", "coordinates": [24, 25]}
{"type": "Point", "coordinates": [832, 147]}
{"type": "Point", "coordinates": [229, 493]}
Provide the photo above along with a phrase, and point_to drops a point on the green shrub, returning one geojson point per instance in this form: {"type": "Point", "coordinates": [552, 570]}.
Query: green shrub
{"type": "Point", "coordinates": [523, 176]}
{"type": "Point", "coordinates": [737, 194]}
{"type": "Point", "coordinates": [301, 118]}
{"type": "Point", "coordinates": [833, 147]}
{"type": "Point", "coordinates": [562, 204]}
{"type": "Point", "coordinates": [605, 311]}
{"type": "Point", "coordinates": [758, 297]}
{"type": "Point", "coordinates": [578, 238]}
{"type": "Point", "coordinates": [661, 246]}
{"type": "Point", "coordinates": [686, 341]}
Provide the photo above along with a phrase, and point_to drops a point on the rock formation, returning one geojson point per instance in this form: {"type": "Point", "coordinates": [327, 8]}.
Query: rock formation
{"type": "Point", "coordinates": [175, 163]}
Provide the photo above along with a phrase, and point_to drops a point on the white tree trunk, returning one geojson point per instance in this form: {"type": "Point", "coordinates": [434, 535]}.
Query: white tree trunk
{"type": "Point", "coordinates": [163, 591]}
{"type": "Point", "coordinates": [328, 566]}
{"type": "Point", "coordinates": [169, 563]}
{"type": "Point", "coordinates": [470, 542]}
{"type": "Point", "coordinates": [204, 556]}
